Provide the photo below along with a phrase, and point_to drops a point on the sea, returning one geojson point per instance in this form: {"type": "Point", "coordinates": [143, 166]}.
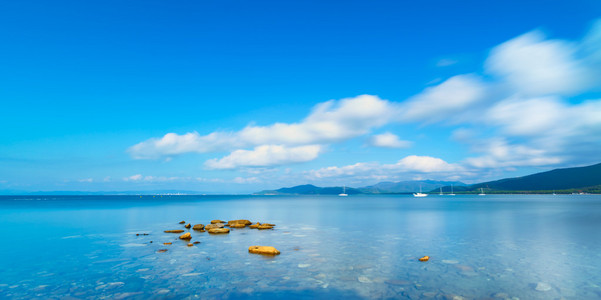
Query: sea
{"type": "Point", "coordinates": [355, 247]}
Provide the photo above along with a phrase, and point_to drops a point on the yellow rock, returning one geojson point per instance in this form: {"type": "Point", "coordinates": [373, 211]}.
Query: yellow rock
{"type": "Point", "coordinates": [254, 226]}
{"type": "Point", "coordinates": [198, 227]}
{"type": "Point", "coordinates": [186, 236]}
{"type": "Point", "coordinates": [182, 222]}
{"type": "Point", "coordinates": [425, 258]}
{"type": "Point", "coordinates": [263, 226]}
{"type": "Point", "coordinates": [267, 250]}
{"type": "Point", "coordinates": [190, 244]}
{"type": "Point", "coordinates": [217, 221]}
{"type": "Point", "coordinates": [236, 225]}
{"type": "Point", "coordinates": [216, 225]}
{"type": "Point", "coordinates": [166, 243]}
{"type": "Point", "coordinates": [268, 224]}
{"type": "Point", "coordinates": [245, 222]}
{"type": "Point", "coordinates": [219, 230]}
{"type": "Point", "coordinates": [162, 250]}
{"type": "Point", "coordinates": [188, 226]}
{"type": "Point", "coordinates": [174, 231]}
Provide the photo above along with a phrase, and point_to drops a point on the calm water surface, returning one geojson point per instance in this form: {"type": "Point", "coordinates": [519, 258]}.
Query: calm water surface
{"type": "Point", "coordinates": [358, 247]}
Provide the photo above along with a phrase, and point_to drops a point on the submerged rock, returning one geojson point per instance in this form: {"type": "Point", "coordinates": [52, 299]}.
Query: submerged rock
{"type": "Point", "coordinates": [198, 227]}
{"type": "Point", "coordinates": [254, 226]}
{"type": "Point", "coordinates": [364, 279]}
{"type": "Point", "coordinates": [174, 231]}
{"type": "Point", "coordinates": [217, 221]}
{"type": "Point", "coordinates": [216, 225]}
{"type": "Point", "coordinates": [188, 226]}
{"type": "Point", "coordinates": [185, 236]}
{"type": "Point", "coordinates": [197, 242]}
{"type": "Point", "coordinates": [425, 258]}
{"type": "Point", "coordinates": [268, 224]}
{"type": "Point", "coordinates": [542, 287]}
{"type": "Point", "coordinates": [161, 250]}
{"type": "Point", "coordinates": [263, 226]}
{"type": "Point", "coordinates": [219, 230]}
{"type": "Point", "coordinates": [266, 250]}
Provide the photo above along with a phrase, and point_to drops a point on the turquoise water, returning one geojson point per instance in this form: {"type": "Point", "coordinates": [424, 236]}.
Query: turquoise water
{"type": "Point", "coordinates": [356, 247]}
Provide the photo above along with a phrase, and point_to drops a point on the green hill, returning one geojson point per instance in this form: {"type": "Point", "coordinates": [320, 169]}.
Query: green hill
{"type": "Point", "coordinates": [586, 179]}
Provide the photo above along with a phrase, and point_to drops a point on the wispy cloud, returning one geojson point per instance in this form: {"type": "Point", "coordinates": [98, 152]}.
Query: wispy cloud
{"type": "Point", "coordinates": [266, 155]}
{"type": "Point", "coordinates": [388, 140]}
{"type": "Point", "coordinates": [519, 111]}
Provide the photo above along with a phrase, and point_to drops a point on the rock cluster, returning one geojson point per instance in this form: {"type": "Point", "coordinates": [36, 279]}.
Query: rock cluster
{"type": "Point", "coordinates": [425, 258]}
{"type": "Point", "coordinates": [219, 227]}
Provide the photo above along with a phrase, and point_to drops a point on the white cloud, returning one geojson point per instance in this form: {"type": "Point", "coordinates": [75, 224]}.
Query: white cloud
{"type": "Point", "coordinates": [447, 101]}
{"type": "Point", "coordinates": [499, 153]}
{"type": "Point", "coordinates": [535, 66]}
{"type": "Point", "coordinates": [329, 122]}
{"type": "Point", "coordinates": [246, 180]}
{"type": "Point", "coordinates": [136, 177]}
{"type": "Point", "coordinates": [264, 156]}
{"type": "Point", "coordinates": [411, 164]}
{"type": "Point", "coordinates": [86, 180]}
{"type": "Point", "coordinates": [388, 140]}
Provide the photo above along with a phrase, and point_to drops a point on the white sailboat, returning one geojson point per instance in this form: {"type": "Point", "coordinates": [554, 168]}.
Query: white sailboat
{"type": "Point", "coordinates": [344, 194]}
{"type": "Point", "coordinates": [482, 192]}
{"type": "Point", "coordinates": [452, 194]}
{"type": "Point", "coordinates": [420, 194]}
{"type": "Point", "coordinates": [441, 191]}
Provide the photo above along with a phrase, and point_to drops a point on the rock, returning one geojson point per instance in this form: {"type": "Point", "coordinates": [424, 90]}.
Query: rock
{"type": "Point", "coordinates": [161, 250]}
{"type": "Point", "coordinates": [364, 279]}
{"type": "Point", "coordinates": [198, 227]}
{"type": "Point", "coordinates": [219, 230]}
{"type": "Point", "coordinates": [268, 224]}
{"type": "Point", "coordinates": [182, 222]}
{"type": "Point", "coordinates": [138, 234]}
{"type": "Point", "coordinates": [501, 295]}
{"type": "Point", "coordinates": [429, 294]}
{"type": "Point", "coordinates": [245, 222]}
{"type": "Point", "coordinates": [262, 226]}
{"type": "Point", "coordinates": [190, 244]}
{"type": "Point", "coordinates": [237, 225]}
{"type": "Point", "coordinates": [267, 250]}
{"type": "Point", "coordinates": [425, 258]}
{"type": "Point", "coordinates": [166, 243]}
{"type": "Point", "coordinates": [216, 221]}
{"type": "Point", "coordinates": [542, 287]}
{"type": "Point", "coordinates": [216, 225]}
{"type": "Point", "coordinates": [188, 226]}
{"type": "Point", "coordinates": [174, 231]}
{"type": "Point", "coordinates": [185, 236]}
{"type": "Point", "coordinates": [254, 226]}
{"type": "Point", "coordinates": [197, 242]}
{"type": "Point", "coordinates": [450, 261]}
{"type": "Point", "coordinates": [398, 282]}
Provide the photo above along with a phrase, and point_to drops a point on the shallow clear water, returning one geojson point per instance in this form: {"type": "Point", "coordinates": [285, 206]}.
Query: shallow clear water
{"type": "Point", "coordinates": [503, 246]}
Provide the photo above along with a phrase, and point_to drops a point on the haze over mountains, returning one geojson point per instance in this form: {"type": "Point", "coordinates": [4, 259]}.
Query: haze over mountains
{"type": "Point", "coordinates": [579, 179]}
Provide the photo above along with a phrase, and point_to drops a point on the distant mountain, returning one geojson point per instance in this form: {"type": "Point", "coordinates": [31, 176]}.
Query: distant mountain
{"type": "Point", "coordinates": [88, 193]}
{"type": "Point", "coordinates": [409, 186]}
{"type": "Point", "coordinates": [586, 179]}
{"type": "Point", "coordinates": [380, 188]}
{"type": "Point", "coordinates": [309, 189]}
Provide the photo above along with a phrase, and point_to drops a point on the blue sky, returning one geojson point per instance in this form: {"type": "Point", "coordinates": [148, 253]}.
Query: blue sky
{"type": "Point", "coordinates": [239, 96]}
